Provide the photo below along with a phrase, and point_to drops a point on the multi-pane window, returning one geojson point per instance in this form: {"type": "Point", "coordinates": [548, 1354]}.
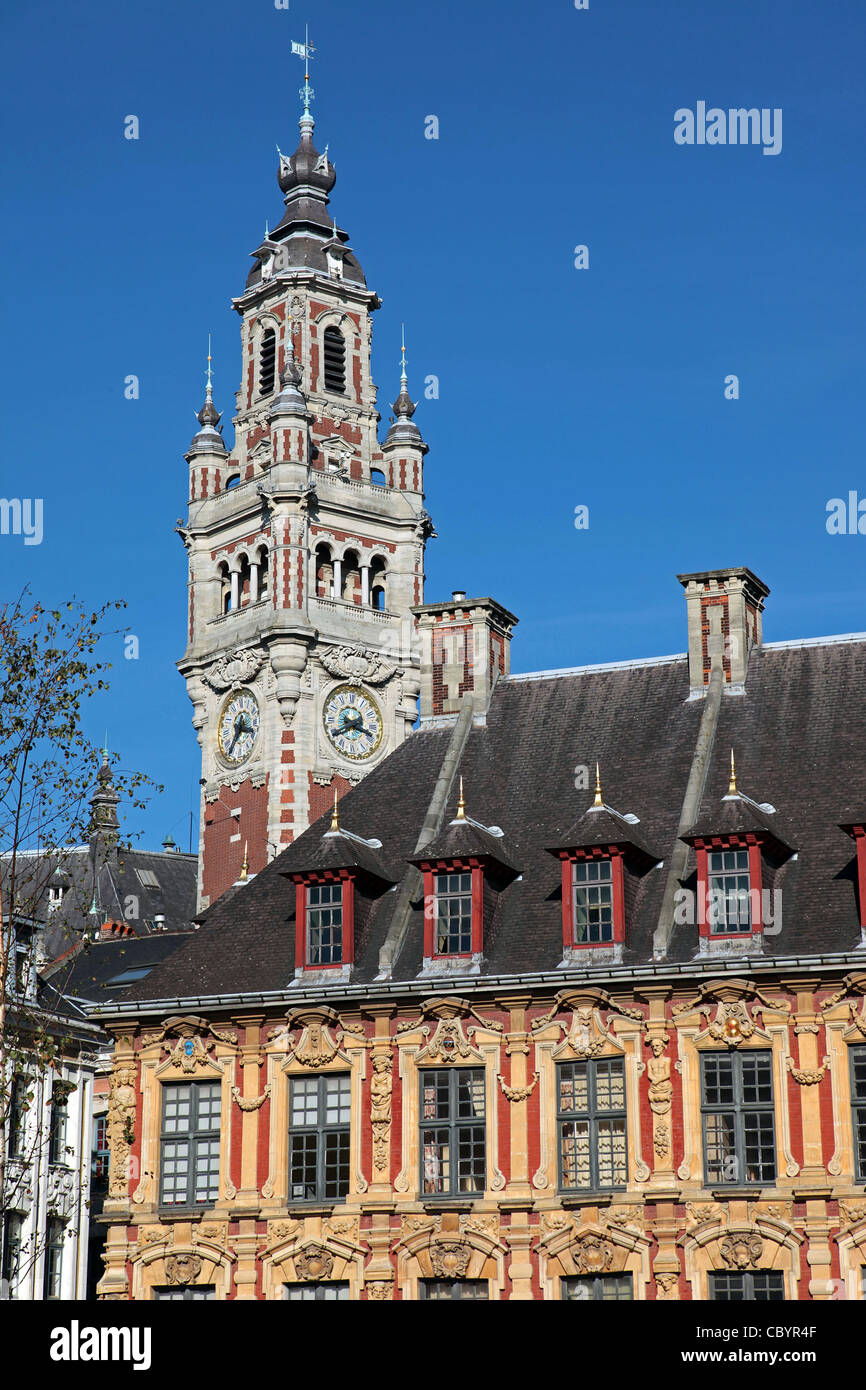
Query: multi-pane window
{"type": "Point", "coordinates": [591, 1119]}
{"type": "Point", "coordinates": [101, 1153]}
{"type": "Point", "coordinates": [13, 1236]}
{"type": "Point", "coordinates": [22, 971]}
{"type": "Point", "coordinates": [335, 360]}
{"type": "Point", "coordinates": [53, 1265]}
{"type": "Point", "coordinates": [738, 1120]}
{"type": "Point", "coordinates": [729, 904]}
{"type": "Point", "coordinates": [858, 1102]}
{"type": "Point", "coordinates": [453, 914]}
{"type": "Point", "coordinates": [19, 1101]}
{"type": "Point", "coordinates": [320, 1111]}
{"type": "Point", "coordinates": [196, 1293]}
{"type": "Point", "coordinates": [752, 1286]}
{"type": "Point", "coordinates": [317, 1293]}
{"type": "Point", "coordinates": [454, 1288]}
{"type": "Point", "coordinates": [324, 923]}
{"type": "Point", "coordinates": [599, 1288]}
{"type": "Point", "coordinates": [190, 1143]}
{"type": "Point", "coordinates": [453, 1132]}
{"type": "Point", "coordinates": [57, 1125]}
{"type": "Point", "coordinates": [593, 902]}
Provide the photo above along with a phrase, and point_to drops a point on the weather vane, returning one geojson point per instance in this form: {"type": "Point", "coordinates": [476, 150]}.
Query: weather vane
{"type": "Point", "coordinates": [306, 51]}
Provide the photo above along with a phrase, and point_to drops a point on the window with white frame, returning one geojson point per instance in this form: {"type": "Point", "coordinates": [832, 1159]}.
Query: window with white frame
{"type": "Point", "coordinates": [738, 1117]}
{"type": "Point", "coordinates": [320, 1109]}
{"type": "Point", "coordinates": [324, 924]}
{"type": "Point", "coordinates": [593, 902]}
{"type": "Point", "coordinates": [591, 1121]}
{"type": "Point", "coordinates": [453, 913]}
{"type": "Point", "coordinates": [729, 903]}
{"type": "Point", "coordinates": [453, 1132]}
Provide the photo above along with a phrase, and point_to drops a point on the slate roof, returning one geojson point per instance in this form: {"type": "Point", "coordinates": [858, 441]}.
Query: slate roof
{"type": "Point", "coordinates": [798, 732]}
{"type": "Point", "coordinates": [136, 887]}
{"type": "Point", "coordinates": [95, 973]}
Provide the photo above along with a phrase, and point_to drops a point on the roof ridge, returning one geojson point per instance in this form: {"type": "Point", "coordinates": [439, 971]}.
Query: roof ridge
{"type": "Point", "coordinates": [596, 666]}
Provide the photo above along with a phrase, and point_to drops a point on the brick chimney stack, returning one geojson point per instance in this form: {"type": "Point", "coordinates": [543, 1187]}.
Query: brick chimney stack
{"type": "Point", "coordinates": [724, 620]}
{"type": "Point", "coordinates": [465, 646]}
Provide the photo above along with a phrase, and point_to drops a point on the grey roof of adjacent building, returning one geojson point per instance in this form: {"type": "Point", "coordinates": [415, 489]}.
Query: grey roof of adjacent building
{"type": "Point", "coordinates": [798, 731]}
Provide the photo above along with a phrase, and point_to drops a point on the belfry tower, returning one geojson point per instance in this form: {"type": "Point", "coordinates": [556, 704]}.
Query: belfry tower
{"type": "Point", "coordinates": [305, 545]}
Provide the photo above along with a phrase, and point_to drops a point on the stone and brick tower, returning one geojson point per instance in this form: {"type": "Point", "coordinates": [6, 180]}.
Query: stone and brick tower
{"type": "Point", "coordinates": [305, 543]}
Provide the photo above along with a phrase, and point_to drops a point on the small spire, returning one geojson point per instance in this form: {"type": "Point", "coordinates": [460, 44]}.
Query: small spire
{"type": "Point", "coordinates": [335, 814]}
{"type": "Point", "coordinates": [403, 377]}
{"type": "Point", "coordinates": [461, 804]}
{"type": "Point", "coordinates": [244, 866]}
{"type": "Point", "coordinates": [209, 387]}
{"type": "Point", "coordinates": [732, 784]}
{"type": "Point", "coordinates": [598, 798]}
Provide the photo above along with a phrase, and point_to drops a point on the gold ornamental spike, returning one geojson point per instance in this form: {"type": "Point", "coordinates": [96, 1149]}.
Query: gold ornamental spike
{"type": "Point", "coordinates": [732, 784]}
{"type": "Point", "coordinates": [245, 865]}
{"type": "Point", "coordinates": [597, 801]}
{"type": "Point", "coordinates": [335, 814]}
{"type": "Point", "coordinates": [461, 804]}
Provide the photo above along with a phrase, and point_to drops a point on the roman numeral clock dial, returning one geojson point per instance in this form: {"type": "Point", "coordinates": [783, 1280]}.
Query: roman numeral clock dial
{"type": "Point", "coordinates": [238, 727]}
{"type": "Point", "coordinates": [353, 722]}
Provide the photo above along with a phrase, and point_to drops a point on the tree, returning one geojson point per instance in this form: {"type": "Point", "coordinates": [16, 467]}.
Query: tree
{"type": "Point", "coordinates": [50, 669]}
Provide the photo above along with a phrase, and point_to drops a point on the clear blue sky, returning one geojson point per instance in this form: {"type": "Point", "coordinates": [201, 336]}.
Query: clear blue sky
{"type": "Point", "coordinates": [558, 387]}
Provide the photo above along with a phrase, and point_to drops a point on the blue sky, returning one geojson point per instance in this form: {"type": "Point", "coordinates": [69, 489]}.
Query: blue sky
{"type": "Point", "coordinates": [558, 386]}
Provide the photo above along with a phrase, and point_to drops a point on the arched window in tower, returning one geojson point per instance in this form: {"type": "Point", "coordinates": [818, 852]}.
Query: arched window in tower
{"type": "Point", "coordinates": [377, 583]}
{"type": "Point", "coordinates": [324, 572]}
{"type": "Point", "coordinates": [243, 580]}
{"type": "Point", "coordinates": [264, 572]}
{"type": "Point", "coordinates": [351, 577]}
{"type": "Point", "coordinates": [378, 477]}
{"type": "Point", "coordinates": [335, 360]}
{"type": "Point", "coordinates": [225, 588]}
{"type": "Point", "coordinates": [267, 362]}
{"type": "Point", "coordinates": [233, 481]}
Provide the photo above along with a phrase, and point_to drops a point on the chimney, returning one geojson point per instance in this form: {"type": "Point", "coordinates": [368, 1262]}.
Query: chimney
{"type": "Point", "coordinates": [724, 610]}
{"type": "Point", "coordinates": [465, 647]}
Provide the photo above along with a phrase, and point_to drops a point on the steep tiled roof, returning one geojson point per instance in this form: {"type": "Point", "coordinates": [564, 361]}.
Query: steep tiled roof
{"type": "Point", "coordinates": [798, 732]}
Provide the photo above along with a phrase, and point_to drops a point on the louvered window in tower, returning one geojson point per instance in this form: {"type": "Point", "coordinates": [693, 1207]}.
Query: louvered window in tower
{"type": "Point", "coordinates": [267, 362]}
{"type": "Point", "coordinates": [335, 361]}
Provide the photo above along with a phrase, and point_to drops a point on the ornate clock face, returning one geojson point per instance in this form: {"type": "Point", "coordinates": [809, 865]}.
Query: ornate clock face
{"type": "Point", "coordinates": [239, 726]}
{"type": "Point", "coordinates": [353, 722]}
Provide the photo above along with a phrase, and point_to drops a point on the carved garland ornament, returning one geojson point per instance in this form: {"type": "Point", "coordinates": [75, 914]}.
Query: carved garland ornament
{"type": "Point", "coordinates": [740, 1251]}
{"type": "Point", "coordinates": [591, 1254]}
{"type": "Point", "coordinates": [238, 668]}
{"type": "Point", "coordinates": [805, 1077]}
{"type": "Point", "coordinates": [314, 1263]}
{"type": "Point", "coordinates": [189, 1050]}
{"type": "Point", "coordinates": [182, 1269]}
{"type": "Point", "coordinates": [518, 1093]}
{"type": "Point", "coordinates": [357, 663]}
{"type": "Point", "coordinates": [250, 1103]}
{"type": "Point", "coordinates": [450, 1259]}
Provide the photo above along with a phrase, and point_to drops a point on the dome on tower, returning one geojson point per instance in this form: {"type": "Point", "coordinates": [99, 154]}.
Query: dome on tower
{"type": "Point", "coordinates": [208, 439]}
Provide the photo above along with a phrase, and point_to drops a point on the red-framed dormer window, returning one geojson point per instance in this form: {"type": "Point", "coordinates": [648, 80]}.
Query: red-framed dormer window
{"type": "Point", "coordinates": [729, 887]}
{"type": "Point", "coordinates": [857, 831]}
{"type": "Point", "coordinates": [593, 898]}
{"type": "Point", "coordinates": [324, 920]}
{"type": "Point", "coordinates": [453, 909]}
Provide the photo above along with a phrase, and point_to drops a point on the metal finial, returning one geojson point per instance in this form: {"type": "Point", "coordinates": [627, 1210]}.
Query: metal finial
{"type": "Point", "coordinates": [209, 391]}
{"type": "Point", "coordinates": [461, 804]}
{"type": "Point", "coordinates": [335, 814]}
{"type": "Point", "coordinates": [598, 801]}
{"type": "Point", "coordinates": [244, 866]}
{"type": "Point", "coordinates": [306, 51]}
{"type": "Point", "coordinates": [403, 352]}
{"type": "Point", "coordinates": [732, 784]}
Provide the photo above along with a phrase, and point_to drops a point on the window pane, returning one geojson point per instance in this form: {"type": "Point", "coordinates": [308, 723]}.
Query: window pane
{"type": "Point", "coordinates": [338, 1100]}
{"type": "Point", "coordinates": [336, 1177]}
{"type": "Point", "coordinates": [609, 1085]}
{"type": "Point", "coordinates": [573, 1087]}
{"type": "Point", "coordinates": [463, 1289]}
{"type": "Point", "coordinates": [576, 1170]}
{"type": "Point", "coordinates": [760, 1154]}
{"type": "Point", "coordinates": [612, 1165]}
{"type": "Point", "coordinates": [471, 1158]}
{"type": "Point", "coordinates": [437, 1160]}
{"type": "Point", "coordinates": [305, 1103]}
{"type": "Point", "coordinates": [720, 1145]}
{"type": "Point", "coordinates": [303, 1166]}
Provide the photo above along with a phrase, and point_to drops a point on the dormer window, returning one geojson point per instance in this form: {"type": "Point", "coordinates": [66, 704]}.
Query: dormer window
{"type": "Point", "coordinates": [324, 913]}
{"type": "Point", "coordinates": [453, 906]}
{"type": "Point", "coordinates": [593, 902]}
{"type": "Point", "coordinates": [603, 859]}
{"type": "Point", "coordinates": [729, 899]}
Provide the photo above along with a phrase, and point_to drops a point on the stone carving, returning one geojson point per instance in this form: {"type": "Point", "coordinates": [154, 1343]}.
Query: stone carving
{"type": "Point", "coordinates": [662, 1141]}
{"type": "Point", "coordinates": [314, 1263]}
{"type": "Point", "coordinates": [628, 1216]}
{"type": "Point", "coordinates": [121, 1131]}
{"type": "Point", "coordinates": [182, 1269]}
{"type": "Point", "coordinates": [380, 1108]}
{"type": "Point", "coordinates": [343, 1227]}
{"type": "Point", "coordinates": [518, 1093]}
{"type": "Point", "coordinates": [852, 1212]}
{"type": "Point", "coordinates": [705, 1213]}
{"type": "Point", "coordinates": [61, 1191]}
{"type": "Point", "coordinates": [448, 1043]}
{"type": "Point", "coordinates": [591, 1254]}
{"type": "Point", "coordinates": [380, 1290]}
{"type": "Point", "coordinates": [450, 1259]}
{"type": "Point", "coordinates": [238, 668]}
{"type": "Point", "coordinates": [315, 1047]}
{"type": "Point", "coordinates": [411, 1225]}
{"type": "Point", "coordinates": [659, 1073]}
{"type": "Point", "coordinates": [357, 663]}
{"type": "Point", "coordinates": [282, 1230]}
{"type": "Point", "coordinates": [741, 1251]}
{"type": "Point", "coordinates": [776, 1211]}
{"type": "Point", "coordinates": [732, 1021]}
{"type": "Point", "coordinates": [253, 1102]}
{"type": "Point", "coordinates": [805, 1077]}
{"type": "Point", "coordinates": [210, 1231]}
{"type": "Point", "coordinates": [553, 1222]}
{"type": "Point", "coordinates": [151, 1235]}
{"type": "Point", "coordinates": [192, 1043]}
{"type": "Point", "coordinates": [668, 1284]}
{"type": "Point", "coordinates": [481, 1225]}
